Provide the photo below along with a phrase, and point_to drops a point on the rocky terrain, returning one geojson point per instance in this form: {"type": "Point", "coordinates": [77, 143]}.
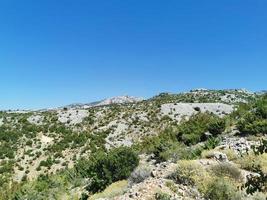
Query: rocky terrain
{"type": "Point", "coordinates": [202, 144]}
{"type": "Point", "coordinates": [114, 100]}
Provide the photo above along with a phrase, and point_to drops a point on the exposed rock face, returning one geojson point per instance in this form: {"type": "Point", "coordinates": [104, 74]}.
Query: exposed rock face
{"type": "Point", "coordinates": [36, 119]}
{"type": "Point", "coordinates": [119, 100]}
{"type": "Point", "coordinates": [180, 110]}
{"type": "Point", "coordinates": [239, 145]}
{"type": "Point", "coordinates": [72, 116]}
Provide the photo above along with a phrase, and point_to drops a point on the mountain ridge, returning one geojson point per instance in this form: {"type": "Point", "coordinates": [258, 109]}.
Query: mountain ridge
{"type": "Point", "coordinates": [108, 101]}
{"type": "Point", "coordinates": [132, 99]}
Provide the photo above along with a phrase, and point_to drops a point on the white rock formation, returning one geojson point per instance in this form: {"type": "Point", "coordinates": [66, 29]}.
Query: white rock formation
{"type": "Point", "coordinates": [72, 116]}
{"type": "Point", "coordinates": [180, 110]}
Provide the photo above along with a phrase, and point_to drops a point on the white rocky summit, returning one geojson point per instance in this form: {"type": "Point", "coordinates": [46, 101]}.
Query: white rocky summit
{"type": "Point", "coordinates": [105, 102]}
{"type": "Point", "coordinates": [120, 100]}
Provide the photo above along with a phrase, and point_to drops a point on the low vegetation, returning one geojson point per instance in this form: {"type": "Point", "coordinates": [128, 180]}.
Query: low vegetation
{"type": "Point", "coordinates": [49, 159]}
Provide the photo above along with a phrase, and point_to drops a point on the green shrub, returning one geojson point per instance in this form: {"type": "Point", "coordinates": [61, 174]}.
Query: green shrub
{"type": "Point", "coordinates": [105, 169]}
{"type": "Point", "coordinates": [217, 126]}
{"type": "Point", "coordinates": [220, 189]}
{"type": "Point", "coordinates": [254, 120]}
{"type": "Point", "coordinates": [226, 170]}
{"type": "Point", "coordinates": [249, 161]}
{"type": "Point", "coordinates": [6, 150]}
{"type": "Point", "coordinates": [47, 163]}
{"type": "Point", "coordinates": [252, 125]}
{"type": "Point", "coordinates": [45, 187]}
{"type": "Point", "coordinates": [261, 107]}
{"type": "Point", "coordinates": [162, 196]}
{"type": "Point", "coordinates": [196, 151]}
{"type": "Point", "coordinates": [193, 130]}
{"type": "Point", "coordinates": [121, 162]}
{"type": "Point", "coordinates": [6, 167]}
{"type": "Point", "coordinates": [212, 142]}
{"type": "Point", "coordinates": [29, 142]}
{"type": "Point", "coordinates": [174, 152]}
{"type": "Point", "coordinates": [189, 172]}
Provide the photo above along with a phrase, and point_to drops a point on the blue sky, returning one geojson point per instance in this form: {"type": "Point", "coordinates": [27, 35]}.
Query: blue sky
{"type": "Point", "coordinates": [54, 53]}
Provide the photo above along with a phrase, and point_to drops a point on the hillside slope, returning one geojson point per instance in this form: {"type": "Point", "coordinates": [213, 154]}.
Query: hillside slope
{"type": "Point", "coordinates": [202, 126]}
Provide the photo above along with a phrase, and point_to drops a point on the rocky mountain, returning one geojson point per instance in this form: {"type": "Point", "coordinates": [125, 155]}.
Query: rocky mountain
{"type": "Point", "coordinates": [201, 144]}
{"type": "Point", "coordinates": [108, 101]}
{"type": "Point", "coordinates": [119, 100]}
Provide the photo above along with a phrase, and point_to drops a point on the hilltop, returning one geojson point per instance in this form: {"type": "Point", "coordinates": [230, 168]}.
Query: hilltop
{"type": "Point", "coordinates": [113, 100]}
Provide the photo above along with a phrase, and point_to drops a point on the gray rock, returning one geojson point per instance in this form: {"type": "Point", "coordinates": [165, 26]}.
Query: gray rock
{"type": "Point", "coordinates": [153, 174]}
{"type": "Point", "coordinates": [222, 157]}
{"type": "Point", "coordinates": [239, 145]}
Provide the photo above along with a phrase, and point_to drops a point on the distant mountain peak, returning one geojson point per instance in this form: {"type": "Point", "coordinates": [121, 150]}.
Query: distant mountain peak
{"type": "Point", "coordinates": [113, 100]}
{"type": "Point", "coordinates": [120, 100]}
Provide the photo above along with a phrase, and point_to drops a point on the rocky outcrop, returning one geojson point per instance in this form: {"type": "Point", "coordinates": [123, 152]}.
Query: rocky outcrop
{"type": "Point", "coordinates": [239, 144]}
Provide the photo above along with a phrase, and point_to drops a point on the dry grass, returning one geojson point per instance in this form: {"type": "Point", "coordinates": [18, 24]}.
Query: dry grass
{"type": "Point", "coordinates": [231, 155]}
{"type": "Point", "coordinates": [248, 162]}
{"type": "Point", "coordinates": [226, 170]}
{"type": "Point", "coordinates": [192, 172]}
{"type": "Point", "coordinates": [115, 189]}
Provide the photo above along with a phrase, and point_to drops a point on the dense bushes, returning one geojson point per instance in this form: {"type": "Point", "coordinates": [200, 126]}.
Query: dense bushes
{"type": "Point", "coordinates": [96, 141]}
{"type": "Point", "coordinates": [6, 167]}
{"type": "Point", "coordinates": [101, 170]}
{"type": "Point", "coordinates": [45, 187]}
{"type": "Point", "coordinates": [252, 124]}
{"type": "Point", "coordinates": [220, 189]}
{"type": "Point", "coordinates": [261, 107]}
{"type": "Point", "coordinates": [254, 119]}
{"type": "Point", "coordinates": [193, 130]}
{"type": "Point", "coordinates": [164, 147]}
{"type": "Point", "coordinates": [6, 150]}
{"type": "Point", "coordinates": [217, 126]}
{"type": "Point", "coordinates": [104, 169]}
{"type": "Point", "coordinates": [171, 144]}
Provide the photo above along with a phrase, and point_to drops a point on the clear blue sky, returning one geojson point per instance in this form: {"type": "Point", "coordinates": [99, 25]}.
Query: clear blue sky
{"type": "Point", "coordinates": [55, 52]}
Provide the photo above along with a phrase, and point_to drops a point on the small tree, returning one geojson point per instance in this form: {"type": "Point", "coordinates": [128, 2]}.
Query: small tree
{"type": "Point", "coordinates": [105, 169]}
